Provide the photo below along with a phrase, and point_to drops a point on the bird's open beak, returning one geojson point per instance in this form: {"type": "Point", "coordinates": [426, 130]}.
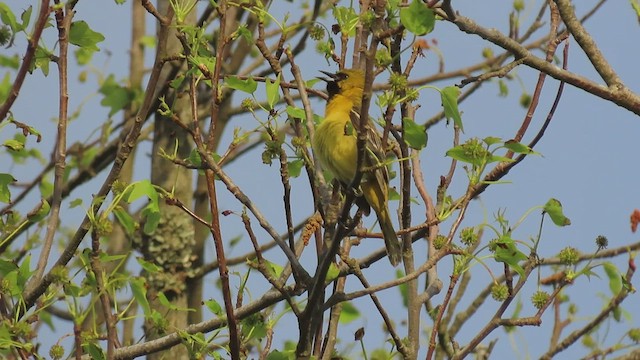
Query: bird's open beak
{"type": "Point", "coordinates": [332, 76]}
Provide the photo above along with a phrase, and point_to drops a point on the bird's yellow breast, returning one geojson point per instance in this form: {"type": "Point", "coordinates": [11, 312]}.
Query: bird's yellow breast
{"type": "Point", "coordinates": [335, 145]}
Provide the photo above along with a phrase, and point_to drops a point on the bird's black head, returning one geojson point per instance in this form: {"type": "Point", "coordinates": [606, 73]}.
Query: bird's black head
{"type": "Point", "coordinates": [333, 82]}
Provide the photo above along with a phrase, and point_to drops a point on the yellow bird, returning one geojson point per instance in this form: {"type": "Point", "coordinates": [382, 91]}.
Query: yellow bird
{"type": "Point", "coordinates": [335, 145]}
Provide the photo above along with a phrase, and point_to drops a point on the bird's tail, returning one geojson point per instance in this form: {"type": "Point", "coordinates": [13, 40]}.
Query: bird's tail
{"type": "Point", "coordinates": [394, 250]}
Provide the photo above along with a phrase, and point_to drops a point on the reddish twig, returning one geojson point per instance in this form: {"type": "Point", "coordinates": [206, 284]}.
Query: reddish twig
{"type": "Point", "coordinates": [214, 227]}
{"type": "Point", "coordinates": [438, 321]}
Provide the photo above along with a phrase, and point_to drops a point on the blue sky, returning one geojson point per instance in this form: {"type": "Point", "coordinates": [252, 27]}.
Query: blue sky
{"type": "Point", "coordinates": [588, 160]}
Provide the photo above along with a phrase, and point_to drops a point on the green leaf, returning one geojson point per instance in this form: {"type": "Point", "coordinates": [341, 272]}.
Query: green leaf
{"type": "Point", "coordinates": [166, 303]}
{"type": "Point", "coordinates": [347, 19]}
{"type": "Point", "coordinates": [75, 203]}
{"type": "Point", "coordinates": [588, 272]}
{"type": "Point", "coordinates": [503, 89]}
{"type": "Point", "coordinates": [235, 240]}
{"type": "Point", "coordinates": [12, 62]}
{"type": "Point", "coordinates": [403, 288]}
{"type": "Point", "coordinates": [274, 269]}
{"type": "Point", "coordinates": [125, 220]}
{"type": "Point", "coordinates": [40, 213]}
{"type": "Point", "coordinates": [5, 180]}
{"type": "Point", "coordinates": [26, 17]}
{"type": "Point", "coordinates": [249, 86]}
{"type": "Point", "coordinates": [332, 273]}
{"type": "Point", "coordinates": [41, 61]}
{"type": "Point", "coordinates": [8, 18]}
{"type": "Point", "coordinates": [393, 194]}
{"type": "Point", "coordinates": [278, 355]}
{"type": "Point", "coordinates": [349, 313]}
{"type": "Point", "coordinates": [81, 35]}
{"type": "Point", "coordinates": [24, 272]}
{"type": "Point", "coordinates": [6, 267]}
{"type": "Point", "coordinates": [46, 318]}
{"type": "Point", "coordinates": [295, 167]}
{"type": "Point", "coordinates": [87, 157]}
{"type": "Point", "coordinates": [491, 140]}
{"type": "Point", "coordinates": [615, 278]}
{"type": "Point", "coordinates": [139, 291]}
{"type": "Point", "coordinates": [10, 283]}
{"type": "Point", "coordinates": [553, 207]}
{"type": "Point", "coordinates": [449, 96]}
{"type": "Point", "coordinates": [46, 188]}
{"type": "Point", "coordinates": [214, 306]}
{"type": "Point", "coordinates": [209, 62]}
{"type": "Point", "coordinates": [140, 189]}
{"type": "Point", "coordinates": [148, 41]}
{"type": "Point", "coordinates": [296, 112]}
{"type": "Point", "coordinates": [106, 258]}
{"type": "Point", "coordinates": [148, 266]}
{"type": "Point", "coordinates": [84, 55]}
{"type": "Point", "coordinates": [635, 5]}
{"type": "Point", "coordinates": [73, 290]}
{"type": "Point", "coordinates": [309, 83]}
{"type": "Point", "coordinates": [254, 327]}
{"type": "Point", "coordinates": [273, 91]}
{"type": "Point", "coordinates": [13, 144]}
{"type": "Point", "coordinates": [194, 158]}
{"type": "Point", "coordinates": [94, 351]}
{"type": "Point", "coordinates": [116, 97]}
{"type": "Point", "coordinates": [415, 135]}
{"type": "Point", "coordinates": [418, 18]}
{"type": "Point", "coordinates": [471, 152]}
{"type": "Point", "coordinates": [245, 33]}
{"type": "Point", "coordinates": [507, 252]}
{"type": "Point", "coordinates": [519, 148]}
{"type": "Point", "coordinates": [5, 87]}
{"type": "Point", "coordinates": [176, 83]}
{"type": "Point", "coordinates": [617, 313]}
{"type": "Point", "coordinates": [497, 158]}
{"type": "Point", "coordinates": [459, 153]}
{"type": "Point", "coordinates": [151, 214]}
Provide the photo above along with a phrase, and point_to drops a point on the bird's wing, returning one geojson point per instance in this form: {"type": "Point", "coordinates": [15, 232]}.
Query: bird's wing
{"type": "Point", "coordinates": [374, 161]}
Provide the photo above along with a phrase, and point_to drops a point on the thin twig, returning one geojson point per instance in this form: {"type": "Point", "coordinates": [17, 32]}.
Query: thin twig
{"type": "Point", "coordinates": [390, 325]}
{"type": "Point", "coordinates": [395, 282]}
{"type": "Point", "coordinates": [263, 266]}
{"type": "Point", "coordinates": [98, 272]}
{"type": "Point", "coordinates": [438, 321]}
{"type": "Point", "coordinates": [535, 98]}
{"type": "Point", "coordinates": [241, 259]}
{"type": "Point", "coordinates": [214, 228]}
{"type": "Point", "coordinates": [63, 16]}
